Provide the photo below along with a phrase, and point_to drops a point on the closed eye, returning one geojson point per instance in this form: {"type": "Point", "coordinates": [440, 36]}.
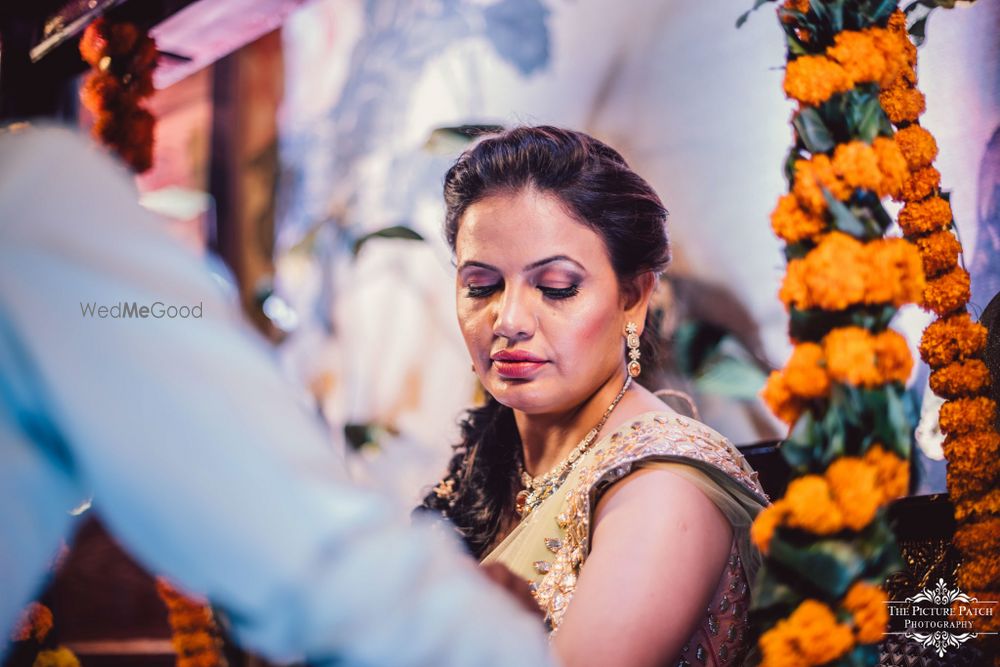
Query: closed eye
{"type": "Point", "coordinates": [481, 291]}
{"type": "Point", "coordinates": [560, 292]}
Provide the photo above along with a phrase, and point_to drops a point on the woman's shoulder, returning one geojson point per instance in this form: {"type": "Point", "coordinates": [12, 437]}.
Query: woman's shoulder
{"type": "Point", "coordinates": [665, 435]}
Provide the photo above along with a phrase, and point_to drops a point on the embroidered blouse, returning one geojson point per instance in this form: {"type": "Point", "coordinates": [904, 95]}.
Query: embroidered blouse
{"type": "Point", "coordinates": [550, 546]}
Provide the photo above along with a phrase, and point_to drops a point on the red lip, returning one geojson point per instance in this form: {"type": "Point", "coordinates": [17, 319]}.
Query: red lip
{"type": "Point", "coordinates": [516, 355]}
{"type": "Point", "coordinates": [516, 364]}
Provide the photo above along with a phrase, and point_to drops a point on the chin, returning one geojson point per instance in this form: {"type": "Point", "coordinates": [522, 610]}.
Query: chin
{"type": "Point", "coordinates": [530, 396]}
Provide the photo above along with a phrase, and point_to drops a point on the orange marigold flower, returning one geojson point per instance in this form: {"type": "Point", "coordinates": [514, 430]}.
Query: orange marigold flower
{"type": "Point", "coordinates": [960, 378]}
{"type": "Point", "coordinates": [102, 92]}
{"type": "Point", "coordinates": [860, 56]}
{"type": "Point", "coordinates": [917, 145]}
{"type": "Point", "coordinates": [938, 251]}
{"type": "Point", "coordinates": [892, 356]}
{"type": "Point", "coordinates": [893, 166]}
{"type": "Point", "coordinates": [797, 5]}
{"type": "Point", "coordinates": [832, 276]}
{"type": "Point", "coordinates": [197, 641]}
{"type": "Point", "coordinates": [850, 357]}
{"type": "Point", "coordinates": [35, 622]}
{"type": "Point", "coordinates": [57, 657]}
{"type": "Point", "coordinates": [792, 224]}
{"type": "Point", "coordinates": [979, 538]}
{"type": "Point", "coordinates": [778, 648]}
{"type": "Point", "coordinates": [814, 79]}
{"type": "Point", "coordinates": [965, 415]}
{"type": "Point", "coordinates": [981, 622]}
{"type": "Point", "coordinates": [810, 506]}
{"type": "Point", "coordinates": [947, 292]}
{"type": "Point", "coordinates": [979, 572]}
{"type": "Point", "coordinates": [867, 605]}
{"type": "Point", "coordinates": [793, 287]}
{"type": "Point", "coordinates": [892, 473]}
{"type": "Point", "coordinates": [852, 485]}
{"type": "Point", "coordinates": [818, 635]}
{"type": "Point", "coordinates": [976, 448]}
{"type": "Point", "coordinates": [897, 22]}
{"type": "Point", "coordinates": [94, 42]}
{"type": "Point", "coordinates": [763, 526]}
{"type": "Point", "coordinates": [950, 338]}
{"type": "Point", "coordinates": [897, 51]}
{"type": "Point", "coordinates": [895, 273]}
{"type": "Point", "coordinates": [780, 399]}
{"type": "Point", "coordinates": [969, 478]}
{"type": "Point", "coordinates": [981, 506]}
{"type": "Point", "coordinates": [902, 103]}
{"type": "Point", "coordinates": [813, 175]}
{"type": "Point", "coordinates": [804, 372]}
{"type": "Point", "coordinates": [857, 165]}
{"type": "Point", "coordinates": [930, 215]}
{"type": "Point", "coordinates": [920, 184]}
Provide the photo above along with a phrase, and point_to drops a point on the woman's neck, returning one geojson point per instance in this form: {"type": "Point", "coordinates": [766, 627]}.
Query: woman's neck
{"type": "Point", "coordinates": [549, 438]}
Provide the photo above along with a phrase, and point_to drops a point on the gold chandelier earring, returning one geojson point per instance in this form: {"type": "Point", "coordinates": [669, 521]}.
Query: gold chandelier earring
{"type": "Point", "coordinates": [632, 339]}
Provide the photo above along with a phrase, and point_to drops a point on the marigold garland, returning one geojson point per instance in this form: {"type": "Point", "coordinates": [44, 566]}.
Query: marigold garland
{"type": "Point", "coordinates": [122, 60]}
{"type": "Point", "coordinates": [195, 635]}
{"type": "Point", "coordinates": [860, 277]}
{"type": "Point", "coordinates": [35, 623]}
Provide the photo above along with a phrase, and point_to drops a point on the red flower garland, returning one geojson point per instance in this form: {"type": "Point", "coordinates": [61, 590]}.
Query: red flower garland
{"type": "Point", "coordinates": [122, 58]}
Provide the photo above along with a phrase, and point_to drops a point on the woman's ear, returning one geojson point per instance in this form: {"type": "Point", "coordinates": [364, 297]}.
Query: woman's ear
{"type": "Point", "coordinates": [637, 293]}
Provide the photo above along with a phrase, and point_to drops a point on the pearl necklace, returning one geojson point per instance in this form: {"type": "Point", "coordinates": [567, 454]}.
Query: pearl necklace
{"type": "Point", "coordinates": [537, 489]}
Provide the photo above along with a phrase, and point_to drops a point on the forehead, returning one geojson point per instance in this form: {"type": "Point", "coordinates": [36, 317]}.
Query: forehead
{"type": "Point", "coordinates": [521, 227]}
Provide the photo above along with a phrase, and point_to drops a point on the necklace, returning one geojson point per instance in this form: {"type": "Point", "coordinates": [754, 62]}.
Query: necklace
{"type": "Point", "coordinates": [537, 489]}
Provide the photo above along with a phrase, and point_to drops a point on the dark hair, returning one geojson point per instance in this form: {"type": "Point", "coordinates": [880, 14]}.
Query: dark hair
{"type": "Point", "coordinates": [597, 186]}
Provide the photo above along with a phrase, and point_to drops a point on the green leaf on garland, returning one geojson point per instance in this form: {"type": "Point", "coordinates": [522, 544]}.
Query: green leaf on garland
{"type": "Point", "coordinates": [769, 591]}
{"type": "Point", "coordinates": [843, 220]}
{"type": "Point", "coordinates": [799, 449]}
{"type": "Point", "coordinates": [812, 130]}
{"type": "Point", "coordinates": [882, 11]}
{"type": "Point", "coordinates": [831, 565]}
{"type": "Point", "coordinates": [834, 437]}
{"type": "Point", "coordinates": [865, 118]}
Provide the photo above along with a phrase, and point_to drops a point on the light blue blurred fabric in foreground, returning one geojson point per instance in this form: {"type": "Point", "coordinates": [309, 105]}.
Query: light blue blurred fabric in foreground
{"type": "Point", "coordinates": [199, 456]}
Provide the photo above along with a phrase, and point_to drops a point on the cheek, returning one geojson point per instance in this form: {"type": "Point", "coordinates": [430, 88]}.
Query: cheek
{"type": "Point", "coordinates": [473, 323]}
{"type": "Point", "coordinates": [588, 338]}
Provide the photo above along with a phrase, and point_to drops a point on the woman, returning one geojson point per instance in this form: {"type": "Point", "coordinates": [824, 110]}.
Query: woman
{"type": "Point", "coordinates": [630, 520]}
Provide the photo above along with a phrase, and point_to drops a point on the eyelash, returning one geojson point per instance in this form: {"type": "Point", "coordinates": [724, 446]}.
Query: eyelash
{"type": "Point", "coordinates": [482, 291]}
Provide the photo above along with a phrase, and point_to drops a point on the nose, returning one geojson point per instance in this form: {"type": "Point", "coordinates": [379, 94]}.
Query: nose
{"type": "Point", "coordinates": [515, 319]}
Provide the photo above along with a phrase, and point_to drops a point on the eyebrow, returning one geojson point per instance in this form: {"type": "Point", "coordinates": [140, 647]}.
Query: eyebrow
{"type": "Point", "coordinates": [529, 267]}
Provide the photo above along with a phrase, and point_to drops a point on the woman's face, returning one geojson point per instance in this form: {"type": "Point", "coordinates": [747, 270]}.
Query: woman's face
{"type": "Point", "coordinates": [538, 302]}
